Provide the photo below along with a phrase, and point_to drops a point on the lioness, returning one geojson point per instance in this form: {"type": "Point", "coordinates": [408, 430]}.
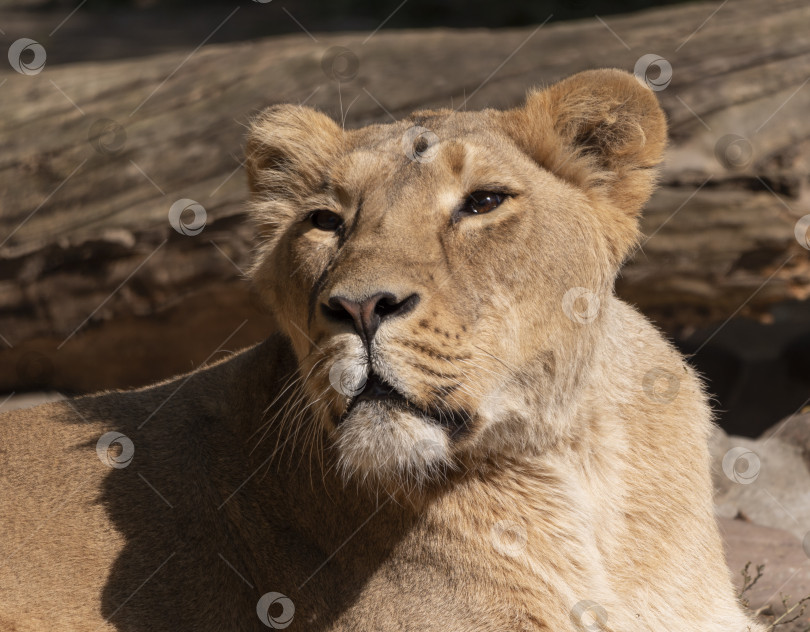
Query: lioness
{"type": "Point", "coordinates": [458, 426]}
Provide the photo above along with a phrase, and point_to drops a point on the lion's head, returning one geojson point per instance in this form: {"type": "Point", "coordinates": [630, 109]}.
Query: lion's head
{"type": "Point", "coordinates": [440, 277]}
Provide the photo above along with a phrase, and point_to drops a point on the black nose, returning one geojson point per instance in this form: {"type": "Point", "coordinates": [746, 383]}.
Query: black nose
{"type": "Point", "coordinates": [368, 313]}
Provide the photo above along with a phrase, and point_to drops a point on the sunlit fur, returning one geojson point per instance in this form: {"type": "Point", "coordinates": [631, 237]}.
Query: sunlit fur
{"type": "Point", "coordinates": [490, 338]}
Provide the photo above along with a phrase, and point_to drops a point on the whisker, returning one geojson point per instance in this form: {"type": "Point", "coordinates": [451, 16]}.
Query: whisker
{"type": "Point", "coordinates": [290, 404]}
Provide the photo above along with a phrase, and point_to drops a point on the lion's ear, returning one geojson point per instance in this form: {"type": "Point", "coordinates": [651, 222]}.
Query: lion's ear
{"type": "Point", "coordinates": [601, 129]}
{"type": "Point", "coordinates": [289, 148]}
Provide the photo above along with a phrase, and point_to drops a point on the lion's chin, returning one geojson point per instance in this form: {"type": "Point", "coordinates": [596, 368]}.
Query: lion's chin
{"type": "Point", "coordinates": [391, 446]}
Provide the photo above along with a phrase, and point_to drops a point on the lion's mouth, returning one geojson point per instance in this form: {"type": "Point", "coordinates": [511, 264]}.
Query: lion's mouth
{"type": "Point", "coordinates": [378, 392]}
{"type": "Point", "coordinates": [377, 389]}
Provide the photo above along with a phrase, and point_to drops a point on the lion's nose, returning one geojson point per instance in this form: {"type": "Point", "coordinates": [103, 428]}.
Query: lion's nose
{"type": "Point", "coordinates": [368, 313]}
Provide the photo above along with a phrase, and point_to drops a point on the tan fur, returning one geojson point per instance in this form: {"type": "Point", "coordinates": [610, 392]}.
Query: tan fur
{"type": "Point", "coordinates": [577, 479]}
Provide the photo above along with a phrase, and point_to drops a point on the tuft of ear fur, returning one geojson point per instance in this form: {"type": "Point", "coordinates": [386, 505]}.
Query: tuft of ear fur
{"type": "Point", "coordinates": [288, 150]}
{"type": "Point", "coordinates": [602, 130]}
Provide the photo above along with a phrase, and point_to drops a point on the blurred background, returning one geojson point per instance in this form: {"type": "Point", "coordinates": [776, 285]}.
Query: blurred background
{"type": "Point", "coordinates": [123, 239]}
{"type": "Point", "coordinates": [135, 28]}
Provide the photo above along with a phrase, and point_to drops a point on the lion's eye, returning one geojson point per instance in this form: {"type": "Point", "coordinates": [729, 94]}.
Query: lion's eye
{"type": "Point", "coordinates": [323, 219]}
{"type": "Point", "coordinates": [480, 202]}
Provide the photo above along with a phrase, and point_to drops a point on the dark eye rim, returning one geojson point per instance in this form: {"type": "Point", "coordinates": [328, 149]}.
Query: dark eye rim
{"type": "Point", "coordinates": [311, 218]}
{"type": "Point", "coordinates": [464, 209]}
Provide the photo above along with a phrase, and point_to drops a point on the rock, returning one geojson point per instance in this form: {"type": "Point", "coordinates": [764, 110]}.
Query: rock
{"type": "Point", "coordinates": [766, 480]}
{"type": "Point", "coordinates": [794, 430]}
{"type": "Point", "coordinates": [787, 566]}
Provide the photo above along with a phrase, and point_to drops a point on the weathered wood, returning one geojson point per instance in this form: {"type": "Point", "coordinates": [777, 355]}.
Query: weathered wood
{"type": "Point", "coordinates": [93, 275]}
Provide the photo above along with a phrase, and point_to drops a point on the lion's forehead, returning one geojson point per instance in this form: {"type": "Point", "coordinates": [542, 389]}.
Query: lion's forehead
{"type": "Point", "coordinates": [434, 154]}
{"type": "Point", "coordinates": [445, 128]}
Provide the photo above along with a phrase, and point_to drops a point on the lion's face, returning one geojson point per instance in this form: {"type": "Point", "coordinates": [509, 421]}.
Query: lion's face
{"type": "Point", "coordinates": [440, 277]}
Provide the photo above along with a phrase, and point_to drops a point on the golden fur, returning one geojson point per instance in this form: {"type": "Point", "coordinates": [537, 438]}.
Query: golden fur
{"type": "Point", "coordinates": [546, 465]}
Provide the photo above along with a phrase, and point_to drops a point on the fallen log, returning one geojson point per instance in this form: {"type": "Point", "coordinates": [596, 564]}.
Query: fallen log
{"type": "Point", "coordinates": [98, 289]}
